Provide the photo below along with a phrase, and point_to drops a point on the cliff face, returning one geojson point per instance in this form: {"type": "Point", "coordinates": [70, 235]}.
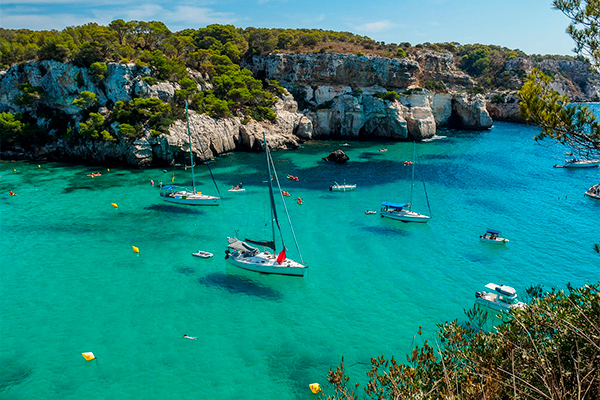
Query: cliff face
{"type": "Point", "coordinates": [63, 83]}
{"type": "Point", "coordinates": [338, 94]}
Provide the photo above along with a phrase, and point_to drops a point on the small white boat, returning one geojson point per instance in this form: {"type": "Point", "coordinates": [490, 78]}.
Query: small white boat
{"type": "Point", "coordinates": [237, 190]}
{"type": "Point", "coordinates": [574, 162]}
{"type": "Point", "coordinates": [187, 196]}
{"type": "Point", "coordinates": [491, 236]}
{"type": "Point", "coordinates": [369, 212]}
{"type": "Point", "coordinates": [594, 192]}
{"type": "Point", "coordinates": [342, 188]}
{"type": "Point", "coordinates": [503, 298]}
{"type": "Point", "coordinates": [202, 254]}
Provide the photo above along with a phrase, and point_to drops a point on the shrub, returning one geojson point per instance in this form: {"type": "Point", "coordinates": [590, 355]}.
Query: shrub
{"type": "Point", "coordinates": [127, 130]}
{"type": "Point", "coordinates": [150, 80]}
{"type": "Point", "coordinates": [98, 69]}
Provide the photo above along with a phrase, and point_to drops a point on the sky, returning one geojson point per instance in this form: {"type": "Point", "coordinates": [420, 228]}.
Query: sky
{"type": "Point", "coordinates": [532, 26]}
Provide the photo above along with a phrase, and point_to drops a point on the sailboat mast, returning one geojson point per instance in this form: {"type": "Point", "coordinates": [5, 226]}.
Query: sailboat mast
{"type": "Point", "coordinates": [272, 198]}
{"type": "Point", "coordinates": [187, 118]}
{"type": "Point", "coordinates": [412, 179]}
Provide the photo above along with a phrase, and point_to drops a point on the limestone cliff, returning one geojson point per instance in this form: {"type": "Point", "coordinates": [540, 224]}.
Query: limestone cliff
{"type": "Point", "coordinates": [63, 83]}
{"type": "Point", "coordinates": [339, 93]}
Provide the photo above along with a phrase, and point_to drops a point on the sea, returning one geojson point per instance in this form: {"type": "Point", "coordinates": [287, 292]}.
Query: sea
{"type": "Point", "coordinates": [71, 283]}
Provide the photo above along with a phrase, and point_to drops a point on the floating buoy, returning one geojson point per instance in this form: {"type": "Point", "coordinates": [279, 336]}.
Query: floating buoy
{"type": "Point", "coordinates": [315, 387]}
{"type": "Point", "coordinates": [135, 249]}
{"type": "Point", "coordinates": [89, 356]}
{"type": "Point", "coordinates": [114, 205]}
{"type": "Point", "coordinates": [152, 182]}
{"type": "Point", "coordinates": [39, 166]}
{"type": "Point", "coordinates": [12, 193]}
{"type": "Point", "coordinates": [107, 169]}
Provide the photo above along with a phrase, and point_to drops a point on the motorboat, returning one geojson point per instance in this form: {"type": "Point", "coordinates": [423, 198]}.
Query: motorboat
{"type": "Point", "coordinates": [370, 212]}
{"type": "Point", "coordinates": [572, 161]}
{"type": "Point", "coordinates": [594, 192]}
{"type": "Point", "coordinates": [502, 298]}
{"type": "Point", "coordinates": [491, 236]}
{"type": "Point", "coordinates": [202, 254]}
{"type": "Point", "coordinates": [341, 188]}
{"type": "Point", "coordinates": [575, 163]}
{"type": "Point", "coordinates": [401, 213]}
{"type": "Point", "coordinates": [244, 255]}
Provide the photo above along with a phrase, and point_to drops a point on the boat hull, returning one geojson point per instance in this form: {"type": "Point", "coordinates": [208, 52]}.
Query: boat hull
{"type": "Point", "coordinates": [406, 216]}
{"type": "Point", "coordinates": [582, 164]}
{"type": "Point", "coordinates": [191, 199]}
{"type": "Point", "coordinates": [592, 195]}
{"type": "Point", "coordinates": [266, 263]}
{"type": "Point", "coordinates": [497, 306]}
{"type": "Point", "coordinates": [494, 241]}
{"type": "Point", "coordinates": [346, 188]}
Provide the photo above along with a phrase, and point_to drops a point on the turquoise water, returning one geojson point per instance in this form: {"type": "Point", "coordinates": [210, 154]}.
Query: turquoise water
{"type": "Point", "coordinates": [70, 282]}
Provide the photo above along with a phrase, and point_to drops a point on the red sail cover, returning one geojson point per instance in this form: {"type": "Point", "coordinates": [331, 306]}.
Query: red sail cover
{"type": "Point", "coordinates": [281, 257]}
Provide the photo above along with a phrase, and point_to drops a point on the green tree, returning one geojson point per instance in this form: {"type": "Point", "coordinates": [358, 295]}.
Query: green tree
{"type": "Point", "coordinates": [575, 126]}
{"type": "Point", "coordinates": [98, 69]}
{"type": "Point", "coordinates": [584, 27]}
{"type": "Point", "coordinates": [10, 127]}
{"type": "Point", "coordinates": [86, 99]}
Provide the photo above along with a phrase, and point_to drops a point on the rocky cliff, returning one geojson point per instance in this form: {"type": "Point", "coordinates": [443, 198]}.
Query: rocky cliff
{"type": "Point", "coordinates": [340, 94]}
{"type": "Point", "coordinates": [63, 83]}
{"type": "Point", "coordinates": [343, 94]}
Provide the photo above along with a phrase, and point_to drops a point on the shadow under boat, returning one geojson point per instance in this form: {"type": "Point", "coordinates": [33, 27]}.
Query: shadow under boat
{"type": "Point", "coordinates": [238, 284]}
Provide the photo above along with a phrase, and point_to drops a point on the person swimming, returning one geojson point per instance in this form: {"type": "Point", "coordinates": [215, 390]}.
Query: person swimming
{"type": "Point", "coordinates": [189, 337]}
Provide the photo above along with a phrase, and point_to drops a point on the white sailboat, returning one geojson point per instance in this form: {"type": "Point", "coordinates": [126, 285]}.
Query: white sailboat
{"type": "Point", "coordinates": [403, 211]}
{"type": "Point", "coordinates": [184, 195]}
{"type": "Point", "coordinates": [243, 255]}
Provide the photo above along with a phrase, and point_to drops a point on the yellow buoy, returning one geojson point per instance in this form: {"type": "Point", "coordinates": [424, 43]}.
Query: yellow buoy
{"type": "Point", "coordinates": [114, 205]}
{"type": "Point", "coordinates": [39, 166]}
{"type": "Point", "coordinates": [135, 249]}
{"type": "Point", "coordinates": [89, 356]}
{"type": "Point", "coordinates": [315, 387]}
{"type": "Point", "coordinates": [107, 169]}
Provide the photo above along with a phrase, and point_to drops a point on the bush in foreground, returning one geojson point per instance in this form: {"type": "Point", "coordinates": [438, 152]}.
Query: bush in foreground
{"type": "Point", "coordinates": [550, 350]}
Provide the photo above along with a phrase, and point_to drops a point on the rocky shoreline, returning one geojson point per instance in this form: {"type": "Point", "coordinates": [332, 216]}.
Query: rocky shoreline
{"type": "Point", "coordinates": [340, 97]}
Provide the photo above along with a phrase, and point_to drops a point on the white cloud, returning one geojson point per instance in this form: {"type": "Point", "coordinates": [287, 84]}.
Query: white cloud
{"type": "Point", "coordinates": [176, 19]}
{"type": "Point", "coordinates": [41, 22]}
{"type": "Point", "coordinates": [377, 26]}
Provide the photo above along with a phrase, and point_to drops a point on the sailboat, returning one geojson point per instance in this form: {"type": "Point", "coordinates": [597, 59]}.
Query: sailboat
{"type": "Point", "coordinates": [185, 195]}
{"type": "Point", "coordinates": [244, 255]}
{"type": "Point", "coordinates": [403, 211]}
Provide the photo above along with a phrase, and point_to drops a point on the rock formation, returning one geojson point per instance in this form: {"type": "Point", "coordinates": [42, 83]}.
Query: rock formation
{"type": "Point", "coordinates": [341, 93]}
{"type": "Point", "coordinates": [338, 157]}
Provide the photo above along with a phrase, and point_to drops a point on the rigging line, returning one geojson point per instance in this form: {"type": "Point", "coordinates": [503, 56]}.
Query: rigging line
{"type": "Point", "coordinates": [204, 156]}
{"type": "Point", "coordinates": [286, 212]}
{"type": "Point", "coordinates": [187, 120]}
{"type": "Point", "coordinates": [423, 180]}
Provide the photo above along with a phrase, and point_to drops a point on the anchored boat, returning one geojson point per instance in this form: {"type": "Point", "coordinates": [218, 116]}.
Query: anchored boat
{"type": "Point", "coordinates": [244, 255]}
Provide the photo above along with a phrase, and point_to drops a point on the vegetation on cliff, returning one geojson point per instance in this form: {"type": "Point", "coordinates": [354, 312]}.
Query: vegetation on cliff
{"type": "Point", "coordinates": [549, 350]}
{"type": "Point", "coordinates": [223, 88]}
{"type": "Point", "coordinates": [573, 125]}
